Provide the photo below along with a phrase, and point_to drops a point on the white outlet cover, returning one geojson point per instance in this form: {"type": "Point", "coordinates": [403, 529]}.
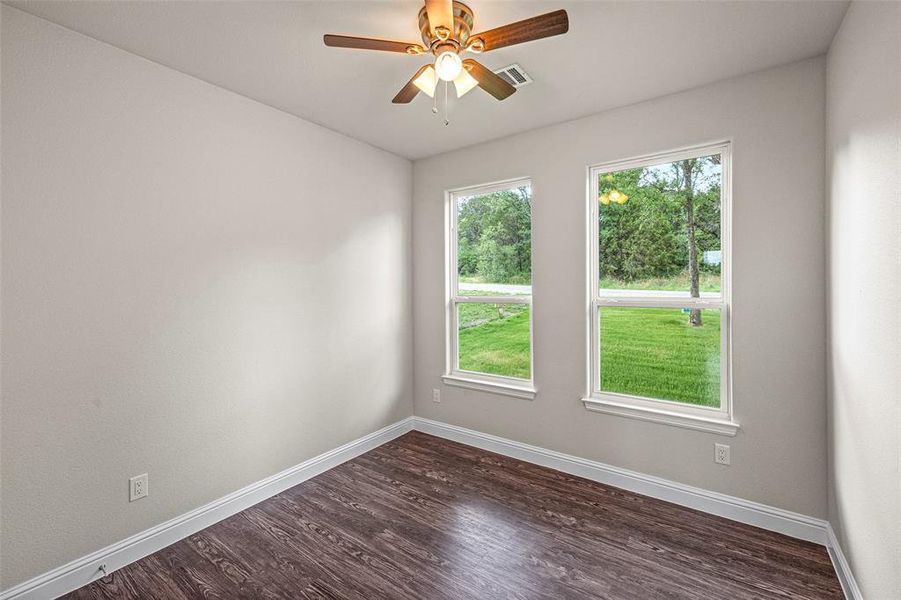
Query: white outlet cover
{"type": "Point", "coordinates": [436, 395]}
{"type": "Point", "coordinates": [138, 487]}
{"type": "Point", "coordinates": [722, 454]}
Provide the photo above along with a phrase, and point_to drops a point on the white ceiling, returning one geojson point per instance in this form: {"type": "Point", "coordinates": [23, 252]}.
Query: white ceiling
{"type": "Point", "coordinates": [615, 53]}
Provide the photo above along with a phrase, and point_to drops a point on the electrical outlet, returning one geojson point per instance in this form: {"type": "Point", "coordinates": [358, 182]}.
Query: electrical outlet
{"type": "Point", "coordinates": [436, 395]}
{"type": "Point", "coordinates": [138, 487]}
{"type": "Point", "coordinates": [722, 454]}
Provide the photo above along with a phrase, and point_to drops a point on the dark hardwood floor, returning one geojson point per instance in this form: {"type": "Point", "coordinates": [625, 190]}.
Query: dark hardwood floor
{"type": "Point", "coordinates": [421, 517]}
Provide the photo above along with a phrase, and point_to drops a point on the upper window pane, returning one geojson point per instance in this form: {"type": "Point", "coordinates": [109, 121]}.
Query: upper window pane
{"type": "Point", "coordinates": [659, 229]}
{"type": "Point", "coordinates": [494, 242]}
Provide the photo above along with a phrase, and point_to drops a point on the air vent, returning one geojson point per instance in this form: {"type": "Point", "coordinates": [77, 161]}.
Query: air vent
{"type": "Point", "coordinates": [514, 75]}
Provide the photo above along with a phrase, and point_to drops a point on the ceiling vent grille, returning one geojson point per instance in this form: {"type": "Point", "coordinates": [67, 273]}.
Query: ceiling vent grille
{"type": "Point", "coordinates": [514, 75]}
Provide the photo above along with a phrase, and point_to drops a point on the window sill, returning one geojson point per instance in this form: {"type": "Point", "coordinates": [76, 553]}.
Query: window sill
{"type": "Point", "coordinates": [666, 417]}
{"type": "Point", "coordinates": [524, 391]}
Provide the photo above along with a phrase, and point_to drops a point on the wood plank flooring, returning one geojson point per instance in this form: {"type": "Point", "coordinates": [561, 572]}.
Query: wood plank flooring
{"type": "Point", "coordinates": [423, 518]}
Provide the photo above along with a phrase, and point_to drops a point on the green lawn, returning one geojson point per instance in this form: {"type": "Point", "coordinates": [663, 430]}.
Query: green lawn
{"type": "Point", "coordinates": [651, 352]}
{"type": "Point", "coordinates": [654, 352]}
{"type": "Point", "coordinates": [493, 342]}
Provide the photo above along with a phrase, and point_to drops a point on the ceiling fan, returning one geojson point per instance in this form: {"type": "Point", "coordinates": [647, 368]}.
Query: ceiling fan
{"type": "Point", "coordinates": [446, 28]}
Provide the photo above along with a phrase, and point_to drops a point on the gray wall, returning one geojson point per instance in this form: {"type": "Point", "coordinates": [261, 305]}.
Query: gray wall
{"type": "Point", "coordinates": [864, 286]}
{"type": "Point", "coordinates": [186, 291]}
{"type": "Point", "coordinates": [776, 120]}
{"type": "Point", "coordinates": [195, 285]}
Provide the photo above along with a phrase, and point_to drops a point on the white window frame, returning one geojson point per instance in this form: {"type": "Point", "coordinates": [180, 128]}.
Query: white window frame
{"type": "Point", "coordinates": [453, 375]}
{"type": "Point", "coordinates": [715, 420]}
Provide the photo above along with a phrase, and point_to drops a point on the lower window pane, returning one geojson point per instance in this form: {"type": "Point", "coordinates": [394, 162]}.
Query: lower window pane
{"type": "Point", "coordinates": [495, 339]}
{"type": "Point", "coordinates": [662, 353]}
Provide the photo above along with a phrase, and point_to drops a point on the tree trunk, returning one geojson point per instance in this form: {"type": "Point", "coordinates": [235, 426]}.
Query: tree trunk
{"type": "Point", "coordinates": [693, 273]}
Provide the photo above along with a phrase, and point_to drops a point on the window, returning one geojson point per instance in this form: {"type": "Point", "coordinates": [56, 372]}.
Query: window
{"type": "Point", "coordinates": [489, 320]}
{"type": "Point", "coordinates": [659, 281]}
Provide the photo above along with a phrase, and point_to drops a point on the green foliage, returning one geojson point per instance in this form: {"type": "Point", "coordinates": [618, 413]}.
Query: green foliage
{"type": "Point", "coordinates": [646, 236]}
{"type": "Point", "coordinates": [494, 242]}
{"type": "Point", "coordinates": [637, 238]}
{"type": "Point", "coordinates": [709, 281]}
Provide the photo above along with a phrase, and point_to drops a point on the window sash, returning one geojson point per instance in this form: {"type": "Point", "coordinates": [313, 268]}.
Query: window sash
{"type": "Point", "coordinates": [655, 403]}
{"type": "Point", "coordinates": [635, 298]}
{"type": "Point", "coordinates": [454, 299]}
{"type": "Point", "coordinates": [661, 302]}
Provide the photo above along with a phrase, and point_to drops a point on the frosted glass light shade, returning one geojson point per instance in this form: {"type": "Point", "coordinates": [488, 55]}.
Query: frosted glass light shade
{"type": "Point", "coordinates": [448, 65]}
{"type": "Point", "coordinates": [464, 82]}
{"type": "Point", "coordinates": [427, 81]}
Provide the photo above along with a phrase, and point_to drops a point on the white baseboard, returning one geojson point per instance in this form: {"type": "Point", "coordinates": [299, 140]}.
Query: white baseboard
{"type": "Point", "coordinates": [744, 511]}
{"type": "Point", "coordinates": [84, 570]}
{"type": "Point", "coordinates": [842, 568]}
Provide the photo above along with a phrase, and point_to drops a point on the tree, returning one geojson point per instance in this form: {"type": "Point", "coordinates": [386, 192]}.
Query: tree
{"type": "Point", "coordinates": [688, 169]}
{"type": "Point", "coordinates": [495, 236]}
{"type": "Point", "coordinates": [637, 238]}
{"type": "Point", "coordinates": [691, 177]}
{"type": "Point", "coordinates": [657, 221]}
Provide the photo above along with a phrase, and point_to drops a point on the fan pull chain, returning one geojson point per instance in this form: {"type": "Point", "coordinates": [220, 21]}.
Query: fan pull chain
{"type": "Point", "coordinates": [446, 120]}
{"type": "Point", "coordinates": [435, 104]}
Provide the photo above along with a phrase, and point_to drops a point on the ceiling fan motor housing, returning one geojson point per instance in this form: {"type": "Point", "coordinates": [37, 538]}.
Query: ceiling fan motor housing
{"type": "Point", "coordinates": [458, 38]}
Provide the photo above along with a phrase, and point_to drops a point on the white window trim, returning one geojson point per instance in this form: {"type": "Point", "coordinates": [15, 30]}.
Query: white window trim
{"type": "Point", "coordinates": [453, 375]}
{"type": "Point", "coordinates": [713, 420]}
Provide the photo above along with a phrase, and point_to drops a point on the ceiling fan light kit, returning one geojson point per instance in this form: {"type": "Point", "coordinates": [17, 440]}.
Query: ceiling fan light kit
{"type": "Point", "coordinates": [446, 30]}
{"type": "Point", "coordinates": [448, 65]}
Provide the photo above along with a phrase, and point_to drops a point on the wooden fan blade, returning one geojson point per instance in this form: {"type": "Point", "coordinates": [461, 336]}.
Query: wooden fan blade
{"type": "Point", "coordinates": [409, 91]}
{"type": "Point", "coordinates": [441, 14]}
{"type": "Point", "coordinates": [535, 28]}
{"type": "Point", "coordinates": [361, 43]}
{"type": "Point", "coordinates": [488, 80]}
